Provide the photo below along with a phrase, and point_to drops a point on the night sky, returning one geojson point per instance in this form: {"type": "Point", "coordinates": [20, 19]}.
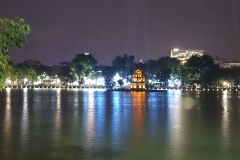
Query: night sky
{"type": "Point", "coordinates": [147, 29]}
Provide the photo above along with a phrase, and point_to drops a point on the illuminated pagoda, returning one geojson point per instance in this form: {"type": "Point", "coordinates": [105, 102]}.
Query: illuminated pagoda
{"type": "Point", "coordinates": [138, 81]}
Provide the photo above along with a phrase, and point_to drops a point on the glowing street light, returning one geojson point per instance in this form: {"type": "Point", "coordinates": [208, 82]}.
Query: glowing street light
{"type": "Point", "coordinates": [8, 81]}
{"type": "Point", "coordinates": [25, 80]}
{"type": "Point", "coordinates": [58, 81]}
{"type": "Point", "coordinates": [175, 49]}
{"type": "Point", "coordinates": [225, 84]}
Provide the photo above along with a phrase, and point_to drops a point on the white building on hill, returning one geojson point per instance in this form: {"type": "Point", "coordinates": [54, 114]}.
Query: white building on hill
{"type": "Point", "coordinates": [184, 55]}
{"type": "Point", "coordinates": [230, 64]}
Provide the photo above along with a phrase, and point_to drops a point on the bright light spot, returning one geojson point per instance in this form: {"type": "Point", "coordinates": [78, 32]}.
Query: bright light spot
{"type": "Point", "coordinates": [225, 93]}
{"type": "Point", "coordinates": [175, 49]}
{"type": "Point", "coordinates": [225, 84]}
{"type": "Point", "coordinates": [100, 81]}
{"type": "Point", "coordinates": [37, 82]}
{"type": "Point", "coordinates": [89, 81]}
{"type": "Point", "coordinates": [58, 81]}
{"type": "Point", "coordinates": [94, 89]}
{"type": "Point", "coordinates": [8, 81]}
{"type": "Point", "coordinates": [174, 82]}
{"type": "Point", "coordinates": [8, 88]}
{"type": "Point", "coordinates": [75, 83]}
{"type": "Point", "coordinates": [116, 77]}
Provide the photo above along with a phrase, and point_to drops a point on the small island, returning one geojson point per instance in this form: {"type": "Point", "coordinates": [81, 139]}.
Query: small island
{"type": "Point", "coordinates": [138, 83]}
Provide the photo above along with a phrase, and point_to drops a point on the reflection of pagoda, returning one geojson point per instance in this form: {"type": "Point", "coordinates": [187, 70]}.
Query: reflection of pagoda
{"type": "Point", "coordinates": [138, 81]}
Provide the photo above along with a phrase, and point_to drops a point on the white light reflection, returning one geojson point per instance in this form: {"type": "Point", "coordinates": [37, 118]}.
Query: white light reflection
{"type": "Point", "coordinates": [7, 133]}
{"type": "Point", "coordinates": [57, 118]}
{"type": "Point", "coordinates": [99, 104]}
{"type": "Point", "coordinates": [116, 117]}
{"type": "Point", "coordinates": [94, 89]}
{"type": "Point", "coordinates": [24, 118]}
{"type": "Point", "coordinates": [225, 122]}
{"type": "Point", "coordinates": [75, 107]}
{"type": "Point", "coordinates": [90, 120]}
{"type": "Point", "coordinates": [175, 123]}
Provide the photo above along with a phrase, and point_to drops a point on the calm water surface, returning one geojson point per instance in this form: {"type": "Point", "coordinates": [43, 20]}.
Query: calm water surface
{"type": "Point", "coordinates": [75, 124]}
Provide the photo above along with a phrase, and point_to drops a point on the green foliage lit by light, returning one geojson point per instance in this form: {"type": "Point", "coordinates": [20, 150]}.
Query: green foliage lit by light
{"type": "Point", "coordinates": [82, 66]}
{"type": "Point", "coordinates": [12, 34]}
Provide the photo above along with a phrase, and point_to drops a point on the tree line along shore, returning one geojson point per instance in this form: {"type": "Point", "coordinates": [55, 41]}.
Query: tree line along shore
{"type": "Point", "coordinates": [165, 72]}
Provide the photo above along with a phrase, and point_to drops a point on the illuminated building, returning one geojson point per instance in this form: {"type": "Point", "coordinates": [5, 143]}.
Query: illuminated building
{"type": "Point", "coordinates": [184, 55]}
{"type": "Point", "coordinates": [229, 64]}
{"type": "Point", "coordinates": [138, 80]}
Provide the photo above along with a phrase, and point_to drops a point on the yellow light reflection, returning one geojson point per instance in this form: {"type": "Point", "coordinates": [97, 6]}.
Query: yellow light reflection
{"type": "Point", "coordinates": [7, 132]}
{"type": "Point", "coordinates": [138, 103]}
{"type": "Point", "coordinates": [57, 118]}
{"type": "Point", "coordinates": [139, 112]}
{"type": "Point", "coordinates": [225, 122]}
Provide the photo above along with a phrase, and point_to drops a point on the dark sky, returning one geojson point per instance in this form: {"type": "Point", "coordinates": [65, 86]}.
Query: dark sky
{"type": "Point", "coordinates": [148, 29]}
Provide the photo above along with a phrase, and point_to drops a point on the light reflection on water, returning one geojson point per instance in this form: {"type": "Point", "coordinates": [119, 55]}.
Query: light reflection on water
{"type": "Point", "coordinates": [225, 123]}
{"type": "Point", "coordinates": [24, 119]}
{"type": "Point", "coordinates": [89, 124]}
{"type": "Point", "coordinates": [116, 117]}
{"type": "Point", "coordinates": [175, 123]}
{"type": "Point", "coordinates": [57, 119]}
{"type": "Point", "coordinates": [138, 127]}
{"type": "Point", "coordinates": [7, 125]}
{"type": "Point", "coordinates": [90, 116]}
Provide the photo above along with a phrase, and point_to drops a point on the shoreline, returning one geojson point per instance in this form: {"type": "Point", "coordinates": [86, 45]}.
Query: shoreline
{"type": "Point", "coordinates": [122, 89]}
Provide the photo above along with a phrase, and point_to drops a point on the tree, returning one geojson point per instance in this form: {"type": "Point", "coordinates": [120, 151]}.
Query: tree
{"type": "Point", "coordinates": [64, 73]}
{"type": "Point", "coordinates": [5, 68]}
{"type": "Point", "coordinates": [12, 34]}
{"type": "Point", "coordinates": [205, 61]}
{"type": "Point", "coordinates": [82, 66]}
{"type": "Point", "coordinates": [187, 75]}
{"type": "Point", "coordinates": [108, 74]}
{"type": "Point", "coordinates": [205, 67]}
{"type": "Point", "coordinates": [123, 65]}
{"type": "Point", "coordinates": [21, 71]}
{"type": "Point", "coordinates": [159, 70]}
{"type": "Point", "coordinates": [120, 82]}
{"type": "Point", "coordinates": [165, 66]}
{"type": "Point", "coordinates": [235, 75]}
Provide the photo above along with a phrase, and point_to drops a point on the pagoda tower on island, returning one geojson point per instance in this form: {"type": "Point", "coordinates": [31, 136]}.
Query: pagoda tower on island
{"type": "Point", "coordinates": [138, 81]}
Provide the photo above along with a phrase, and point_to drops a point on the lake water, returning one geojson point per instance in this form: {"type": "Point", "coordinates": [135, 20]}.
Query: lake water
{"type": "Point", "coordinates": [97, 124]}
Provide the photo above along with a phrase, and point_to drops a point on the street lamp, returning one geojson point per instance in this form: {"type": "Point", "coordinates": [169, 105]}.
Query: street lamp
{"type": "Point", "coordinates": [25, 80]}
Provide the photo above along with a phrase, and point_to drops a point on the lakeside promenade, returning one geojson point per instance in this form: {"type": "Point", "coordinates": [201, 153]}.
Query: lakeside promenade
{"type": "Point", "coordinates": [105, 88]}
